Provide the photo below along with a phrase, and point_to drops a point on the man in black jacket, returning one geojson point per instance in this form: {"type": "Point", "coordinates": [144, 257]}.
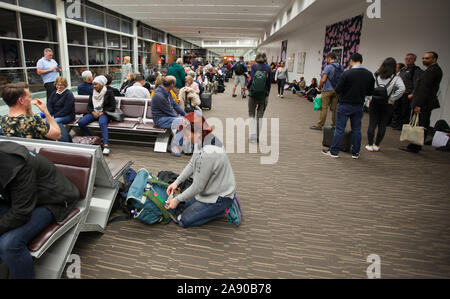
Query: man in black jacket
{"type": "Point", "coordinates": [353, 87]}
{"type": "Point", "coordinates": [410, 76]}
{"type": "Point", "coordinates": [424, 99]}
{"type": "Point", "coordinates": [33, 194]}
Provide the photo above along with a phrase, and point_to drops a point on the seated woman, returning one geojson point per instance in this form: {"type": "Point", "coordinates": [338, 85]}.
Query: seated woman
{"type": "Point", "coordinates": [61, 103]}
{"type": "Point", "coordinates": [128, 83]}
{"type": "Point", "coordinates": [212, 193]}
{"type": "Point", "coordinates": [115, 91]}
{"type": "Point", "coordinates": [190, 94]}
{"type": "Point", "coordinates": [100, 101]}
{"type": "Point", "coordinates": [311, 91]}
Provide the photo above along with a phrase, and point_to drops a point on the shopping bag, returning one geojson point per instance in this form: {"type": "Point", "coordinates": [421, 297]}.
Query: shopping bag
{"type": "Point", "coordinates": [412, 132]}
{"type": "Point", "coordinates": [318, 102]}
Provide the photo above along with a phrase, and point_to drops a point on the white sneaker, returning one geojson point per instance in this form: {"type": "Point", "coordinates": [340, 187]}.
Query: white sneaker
{"type": "Point", "coordinates": [369, 148]}
{"type": "Point", "coordinates": [376, 148]}
{"type": "Point", "coordinates": [278, 95]}
{"type": "Point", "coordinates": [282, 96]}
{"type": "Point", "coordinates": [106, 151]}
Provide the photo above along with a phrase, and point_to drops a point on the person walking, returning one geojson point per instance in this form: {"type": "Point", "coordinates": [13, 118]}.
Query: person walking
{"type": "Point", "coordinates": [281, 76]}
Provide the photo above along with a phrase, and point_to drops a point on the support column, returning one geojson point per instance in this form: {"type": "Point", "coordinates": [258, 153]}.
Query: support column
{"type": "Point", "coordinates": [62, 38]}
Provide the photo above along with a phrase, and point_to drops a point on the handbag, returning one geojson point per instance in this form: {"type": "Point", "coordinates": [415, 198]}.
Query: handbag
{"type": "Point", "coordinates": [412, 132]}
{"type": "Point", "coordinates": [117, 115]}
{"type": "Point", "coordinates": [318, 103]}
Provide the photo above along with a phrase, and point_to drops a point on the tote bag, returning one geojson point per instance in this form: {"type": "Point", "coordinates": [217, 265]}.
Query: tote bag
{"type": "Point", "coordinates": [412, 132]}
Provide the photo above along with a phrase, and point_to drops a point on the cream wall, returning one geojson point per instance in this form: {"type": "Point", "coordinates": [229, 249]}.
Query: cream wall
{"type": "Point", "coordinates": [405, 26]}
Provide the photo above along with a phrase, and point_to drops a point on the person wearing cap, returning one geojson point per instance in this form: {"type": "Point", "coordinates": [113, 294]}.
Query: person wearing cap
{"type": "Point", "coordinates": [100, 100]}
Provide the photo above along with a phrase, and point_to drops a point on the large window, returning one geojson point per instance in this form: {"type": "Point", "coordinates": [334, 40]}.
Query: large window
{"type": "Point", "coordinates": [36, 28]}
{"type": "Point", "coordinates": [42, 5]}
{"type": "Point", "coordinates": [8, 25]}
{"type": "Point", "coordinates": [95, 17]}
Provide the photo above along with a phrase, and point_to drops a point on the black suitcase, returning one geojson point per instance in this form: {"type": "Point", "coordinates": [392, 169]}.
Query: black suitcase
{"type": "Point", "coordinates": [328, 133]}
{"type": "Point", "coordinates": [206, 100]}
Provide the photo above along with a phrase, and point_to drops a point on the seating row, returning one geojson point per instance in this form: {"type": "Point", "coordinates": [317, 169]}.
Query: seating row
{"type": "Point", "coordinates": [86, 168]}
{"type": "Point", "coordinates": [137, 119]}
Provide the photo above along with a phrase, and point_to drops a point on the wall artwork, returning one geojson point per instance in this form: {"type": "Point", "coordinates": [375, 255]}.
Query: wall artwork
{"type": "Point", "coordinates": [343, 37]}
{"type": "Point", "coordinates": [290, 63]}
{"type": "Point", "coordinates": [301, 63]}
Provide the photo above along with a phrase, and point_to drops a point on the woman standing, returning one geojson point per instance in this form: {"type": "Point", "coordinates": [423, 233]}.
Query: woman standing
{"type": "Point", "coordinates": [212, 194]}
{"type": "Point", "coordinates": [388, 88]}
{"type": "Point", "coordinates": [100, 101]}
{"type": "Point", "coordinates": [127, 68]}
{"type": "Point", "coordinates": [281, 77]}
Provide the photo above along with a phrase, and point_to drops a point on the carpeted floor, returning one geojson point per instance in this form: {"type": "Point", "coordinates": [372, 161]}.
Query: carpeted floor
{"type": "Point", "coordinates": [307, 216]}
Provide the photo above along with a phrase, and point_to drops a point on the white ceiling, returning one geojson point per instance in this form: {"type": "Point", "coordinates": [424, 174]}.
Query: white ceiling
{"type": "Point", "coordinates": [197, 20]}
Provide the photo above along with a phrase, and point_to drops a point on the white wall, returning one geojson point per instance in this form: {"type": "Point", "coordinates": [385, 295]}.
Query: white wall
{"type": "Point", "coordinates": [405, 26]}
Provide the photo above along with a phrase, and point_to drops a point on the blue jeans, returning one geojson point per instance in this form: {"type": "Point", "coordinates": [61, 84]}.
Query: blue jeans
{"type": "Point", "coordinates": [172, 123]}
{"type": "Point", "coordinates": [64, 120]}
{"type": "Point", "coordinates": [344, 112]}
{"type": "Point", "coordinates": [102, 121]}
{"type": "Point", "coordinates": [13, 244]}
{"type": "Point", "coordinates": [195, 213]}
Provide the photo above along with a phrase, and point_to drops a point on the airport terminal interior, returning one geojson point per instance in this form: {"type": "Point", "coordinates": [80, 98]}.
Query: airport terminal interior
{"type": "Point", "coordinates": [305, 214]}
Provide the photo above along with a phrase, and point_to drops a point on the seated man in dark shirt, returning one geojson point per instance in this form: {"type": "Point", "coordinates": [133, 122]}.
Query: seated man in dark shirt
{"type": "Point", "coordinates": [85, 88]}
{"type": "Point", "coordinates": [166, 112]}
{"type": "Point", "coordinates": [33, 194]}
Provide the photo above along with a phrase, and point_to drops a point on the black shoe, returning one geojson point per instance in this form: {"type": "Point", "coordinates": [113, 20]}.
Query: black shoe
{"type": "Point", "coordinates": [409, 150]}
{"type": "Point", "coordinates": [234, 96]}
{"type": "Point", "coordinates": [316, 128]}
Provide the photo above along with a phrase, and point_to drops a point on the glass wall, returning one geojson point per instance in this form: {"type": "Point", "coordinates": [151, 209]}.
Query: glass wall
{"type": "Point", "coordinates": [20, 50]}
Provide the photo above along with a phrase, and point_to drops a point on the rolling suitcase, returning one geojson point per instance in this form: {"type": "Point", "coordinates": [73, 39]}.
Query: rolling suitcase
{"type": "Point", "coordinates": [206, 100]}
{"type": "Point", "coordinates": [328, 133]}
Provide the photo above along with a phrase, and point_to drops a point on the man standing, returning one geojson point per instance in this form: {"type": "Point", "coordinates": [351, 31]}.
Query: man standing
{"type": "Point", "coordinates": [20, 121]}
{"type": "Point", "coordinates": [424, 99]}
{"type": "Point", "coordinates": [176, 69]}
{"type": "Point", "coordinates": [353, 87]}
{"type": "Point", "coordinates": [330, 78]}
{"type": "Point", "coordinates": [48, 68]}
{"type": "Point", "coordinates": [239, 68]}
{"type": "Point", "coordinates": [138, 90]}
{"type": "Point", "coordinates": [410, 75]}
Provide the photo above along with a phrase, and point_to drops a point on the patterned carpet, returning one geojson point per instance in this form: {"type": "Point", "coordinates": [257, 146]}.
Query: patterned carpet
{"type": "Point", "coordinates": [307, 216]}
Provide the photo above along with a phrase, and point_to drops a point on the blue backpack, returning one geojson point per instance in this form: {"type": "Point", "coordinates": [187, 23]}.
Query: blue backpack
{"type": "Point", "coordinates": [338, 70]}
{"type": "Point", "coordinates": [146, 198]}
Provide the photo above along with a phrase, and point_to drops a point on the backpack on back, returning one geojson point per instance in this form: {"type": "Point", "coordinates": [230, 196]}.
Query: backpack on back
{"type": "Point", "coordinates": [258, 87]}
{"type": "Point", "coordinates": [239, 70]}
{"type": "Point", "coordinates": [380, 93]}
{"type": "Point", "coordinates": [338, 70]}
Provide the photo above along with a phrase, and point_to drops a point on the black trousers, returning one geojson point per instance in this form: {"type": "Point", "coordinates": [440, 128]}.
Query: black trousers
{"type": "Point", "coordinates": [281, 83]}
{"type": "Point", "coordinates": [402, 111]}
{"type": "Point", "coordinates": [379, 116]}
{"type": "Point", "coordinates": [50, 88]}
